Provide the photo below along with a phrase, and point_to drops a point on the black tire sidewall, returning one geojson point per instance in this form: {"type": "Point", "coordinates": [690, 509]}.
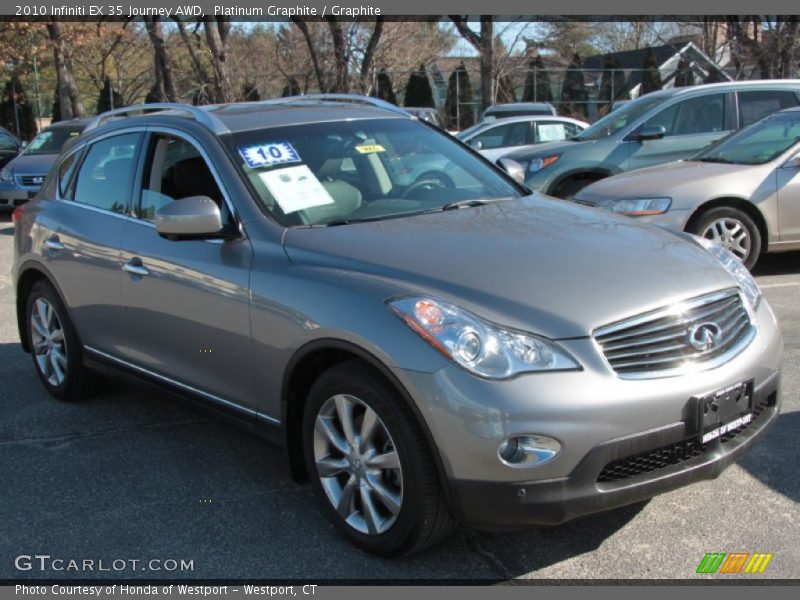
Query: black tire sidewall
{"type": "Point", "coordinates": [75, 374]}
{"type": "Point", "coordinates": [381, 398]}
{"type": "Point", "coordinates": [733, 213]}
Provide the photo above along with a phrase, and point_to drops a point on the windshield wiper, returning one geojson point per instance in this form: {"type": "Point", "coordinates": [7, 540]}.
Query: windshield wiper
{"type": "Point", "coordinates": [709, 159]}
{"type": "Point", "coordinates": [462, 204]}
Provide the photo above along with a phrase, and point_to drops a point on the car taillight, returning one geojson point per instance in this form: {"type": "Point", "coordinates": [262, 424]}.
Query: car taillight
{"type": "Point", "coordinates": [17, 214]}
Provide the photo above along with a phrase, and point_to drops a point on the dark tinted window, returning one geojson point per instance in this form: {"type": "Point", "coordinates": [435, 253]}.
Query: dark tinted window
{"type": "Point", "coordinates": [8, 143]}
{"type": "Point", "coordinates": [758, 104]}
{"type": "Point", "coordinates": [502, 136]}
{"type": "Point", "coordinates": [704, 114]}
{"type": "Point", "coordinates": [106, 174]}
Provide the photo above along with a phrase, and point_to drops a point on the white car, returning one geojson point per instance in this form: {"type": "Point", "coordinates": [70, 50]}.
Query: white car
{"type": "Point", "coordinates": [497, 138]}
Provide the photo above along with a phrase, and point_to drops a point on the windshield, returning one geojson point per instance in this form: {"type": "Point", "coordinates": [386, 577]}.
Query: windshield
{"type": "Point", "coordinates": [619, 118]}
{"type": "Point", "coordinates": [50, 141]}
{"type": "Point", "coordinates": [362, 170]}
{"type": "Point", "coordinates": [757, 144]}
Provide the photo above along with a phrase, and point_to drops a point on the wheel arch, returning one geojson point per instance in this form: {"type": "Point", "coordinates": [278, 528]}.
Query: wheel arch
{"type": "Point", "coordinates": [747, 207]}
{"type": "Point", "coordinates": [310, 361]}
{"type": "Point", "coordinates": [30, 274]}
{"type": "Point", "coordinates": [594, 173]}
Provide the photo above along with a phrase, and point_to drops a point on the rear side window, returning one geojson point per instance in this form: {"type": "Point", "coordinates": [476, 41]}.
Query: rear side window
{"type": "Point", "coordinates": [64, 174]}
{"type": "Point", "coordinates": [105, 177]}
{"type": "Point", "coordinates": [759, 103]}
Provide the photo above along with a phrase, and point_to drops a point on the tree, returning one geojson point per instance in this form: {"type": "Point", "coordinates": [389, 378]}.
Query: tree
{"type": "Point", "coordinates": [714, 76]}
{"type": "Point", "coordinates": [292, 88]}
{"type": "Point", "coordinates": [458, 107]}
{"type": "Point", "coordinates": [383, 88]}
{"type": "Point", "coordinates": [574, 97]}
{"type": "Point", "coordinates": [651, 78]}
{"type": "Point", "coordinates": [537, 83]}
{"type": "Point", "coordinates": [418, 89]}
{"type": "Point", "coordinates": [612, 85]}
{"type": "Point", "coordinates": [67, 90]}
{"type": "Point", "coordinates": [505, 90]}
{"type": "Point", "coordinates": [684, 75]}
{"type": "Point", "coordinates": [109, 98]}
{"type": "Point", "coordinates": [217, 30]}
{"type": "Point", "coordinates": [770, 43]}
{"type": "Point", "coordinates": [566, 38]}
{"type": "Point", "coordinates": [483, 42]}
{"type": "Point", "coordinates": [55, 110]}
{"type": "Point", "coordinates": [164, 87]}
{"type": "Point", "coordinates": [16, 113]}
{"type": "Point", "coordinates": [250, 92]}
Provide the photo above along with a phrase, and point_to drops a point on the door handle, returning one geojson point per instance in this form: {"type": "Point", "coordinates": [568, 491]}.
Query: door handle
{"type": "Point", "coordinates": [135, 267]}
{"type": "Point", "coordinates": [53, 244]}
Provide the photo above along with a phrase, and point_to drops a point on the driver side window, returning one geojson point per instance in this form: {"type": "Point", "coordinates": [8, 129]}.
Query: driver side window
{"type": "Point", "coordinates": [176, 170]}
{"type": "Point", "coordinates": [705, 114]}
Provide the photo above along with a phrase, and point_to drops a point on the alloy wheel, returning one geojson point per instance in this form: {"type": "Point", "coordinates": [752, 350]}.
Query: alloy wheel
{"type": "Point", "coordinates": [358, 464]}
{"type": "Point", "coordinates": [732, 235]}
{"type": "Point", "coordinates": [49, 345]}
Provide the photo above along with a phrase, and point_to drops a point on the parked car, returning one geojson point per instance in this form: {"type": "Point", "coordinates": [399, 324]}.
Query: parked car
{"type": "Point", "coordinates": [656, 128]}
{"type": "Point", "coordinates": [428, 354]}
{"type": "Point", "coordinates": [743, 192]}
{"type": "Point", "coordinates": [517, 109]}
{"type": "Point", "coordinates": [9, 146]}
{"type": "Point", "coordinates": [497, 138]}
{"type": "Point", "coordinates": [427, 114]}
{"type": "Point", "coordinates": [22, 178]}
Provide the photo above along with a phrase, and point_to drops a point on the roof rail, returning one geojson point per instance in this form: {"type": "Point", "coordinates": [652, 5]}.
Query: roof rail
{"type": "Point", "coordinates": [200, 115]}
{"type": "Point", "coordinates": [353, 98]}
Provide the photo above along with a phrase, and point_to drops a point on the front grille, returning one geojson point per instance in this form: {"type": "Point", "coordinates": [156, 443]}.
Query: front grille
{"type": "Point", "coordinates": [673, 454]}
{"type": "Point", "coordinates": [657, 343]}
{"type": "Point", "coordinates": [30, 180]}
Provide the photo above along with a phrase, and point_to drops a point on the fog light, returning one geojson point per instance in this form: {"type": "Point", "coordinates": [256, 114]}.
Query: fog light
{"type": "Point", "coordinates": [528, 450]}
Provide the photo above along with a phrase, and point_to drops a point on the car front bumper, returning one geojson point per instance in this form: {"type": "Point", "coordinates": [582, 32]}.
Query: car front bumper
{"type": "Point", "coordinates": [12, 195]}
{"type": "Point", "coordinates": [601, 421]}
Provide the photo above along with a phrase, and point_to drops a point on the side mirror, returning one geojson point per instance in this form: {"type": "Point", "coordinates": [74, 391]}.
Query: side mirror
{"type": "Point", "coordinates": [192, 217]}
{"type": "Point", "coordinates": [514, 170]}
{"type": "Point", "coordinates": [651, 132]}
{"type": "Point", "coordinates": [476, 145]}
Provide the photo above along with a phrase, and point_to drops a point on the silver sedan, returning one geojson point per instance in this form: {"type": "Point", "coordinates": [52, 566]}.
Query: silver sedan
{"type": "Point", "coordinates": [742, 192]}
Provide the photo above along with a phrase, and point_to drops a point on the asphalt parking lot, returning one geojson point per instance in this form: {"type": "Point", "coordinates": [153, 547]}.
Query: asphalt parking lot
{"type": "Point", "coordinates": [135, 475]}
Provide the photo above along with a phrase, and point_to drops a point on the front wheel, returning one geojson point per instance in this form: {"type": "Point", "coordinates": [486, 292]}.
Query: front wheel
{"type": "Point", "coordinates": [732, 229]}
{"type": "Point", "coordinates": [369, 463]}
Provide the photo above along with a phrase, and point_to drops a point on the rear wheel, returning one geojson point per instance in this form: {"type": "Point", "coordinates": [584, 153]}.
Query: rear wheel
{"type": "Point", "coordinates": [54, 346]}
{"type": "Point", "coordinates": [732, 229]}
{"type": "Point", "coordinates": [370, 465]}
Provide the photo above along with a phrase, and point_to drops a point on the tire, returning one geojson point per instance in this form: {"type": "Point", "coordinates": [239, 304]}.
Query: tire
{"type": "Point", "coordinates": [734, 229]}
{"type": "Point", "coordinates": [420, 517]}
{"type": "Point", "coordinates": [55, 349]}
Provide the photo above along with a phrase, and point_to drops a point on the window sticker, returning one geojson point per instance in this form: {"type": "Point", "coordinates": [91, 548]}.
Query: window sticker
{"type": "Point", "coordinates": [266, 155]}
{"type": "Point", "coordinates": [551, 132]}
{"type": "Point", "coordinates": [370, 148]}
{"type": "Point", "coordinates": [295, 188]}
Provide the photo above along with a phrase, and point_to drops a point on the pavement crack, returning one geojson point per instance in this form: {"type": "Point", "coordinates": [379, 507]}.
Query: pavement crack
{"type": "Point", "coordinates": [491, 559]}
{"type": "Point", "coordinates": [76, 436]}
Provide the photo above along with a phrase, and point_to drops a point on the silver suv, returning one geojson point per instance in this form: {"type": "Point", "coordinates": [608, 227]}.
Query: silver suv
{"type": "Point", "coordinates": [430, 351]}
{"type": "Point", "coordinates": [656, 128]}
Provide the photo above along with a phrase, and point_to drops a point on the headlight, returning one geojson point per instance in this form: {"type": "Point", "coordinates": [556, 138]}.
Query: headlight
{"type": "Point", "coordinates": [478, 346]}
{"type": "Point", "coordinates": [537, 164]}
{"type": "Point", "coordinates": [6, 175]}
{"type": "Point", "coordinates": [640, 207]}
{"type": "Point", "coordinates": [738, 271]}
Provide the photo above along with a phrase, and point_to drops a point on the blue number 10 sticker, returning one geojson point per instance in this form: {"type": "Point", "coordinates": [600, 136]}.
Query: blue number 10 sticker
{"type": "Point", "coordinates": [264, 155]}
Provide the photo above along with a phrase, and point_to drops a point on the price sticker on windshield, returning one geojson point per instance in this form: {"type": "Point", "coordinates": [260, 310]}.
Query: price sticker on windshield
{"type": "Point", "coordinates": [266, 155]}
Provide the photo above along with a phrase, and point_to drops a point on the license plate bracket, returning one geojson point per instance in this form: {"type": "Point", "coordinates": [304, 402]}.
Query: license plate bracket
{"type": "Point", "coordinates": [723, 410]}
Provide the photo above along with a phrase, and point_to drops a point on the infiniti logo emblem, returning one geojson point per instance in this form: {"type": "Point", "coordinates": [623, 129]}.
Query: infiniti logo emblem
{"type": "Point", "coordinates": [705, 336]}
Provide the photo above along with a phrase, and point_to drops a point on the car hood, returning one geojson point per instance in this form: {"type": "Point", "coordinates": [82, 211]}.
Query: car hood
{"type": "Point", "coordinates": [33, 164]}
{"type": "Point", "coordinates": [678, 180]}
{"type": "Point", "coordinates": [533, 264]}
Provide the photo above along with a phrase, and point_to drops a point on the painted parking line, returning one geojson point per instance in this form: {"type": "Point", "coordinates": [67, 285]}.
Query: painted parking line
{"type": "Point", "coordinates": [779, 285]}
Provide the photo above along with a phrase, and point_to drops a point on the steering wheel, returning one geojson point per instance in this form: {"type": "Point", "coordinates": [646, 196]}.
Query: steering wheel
{"type": "Point", "coordinates": [430, 180]}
